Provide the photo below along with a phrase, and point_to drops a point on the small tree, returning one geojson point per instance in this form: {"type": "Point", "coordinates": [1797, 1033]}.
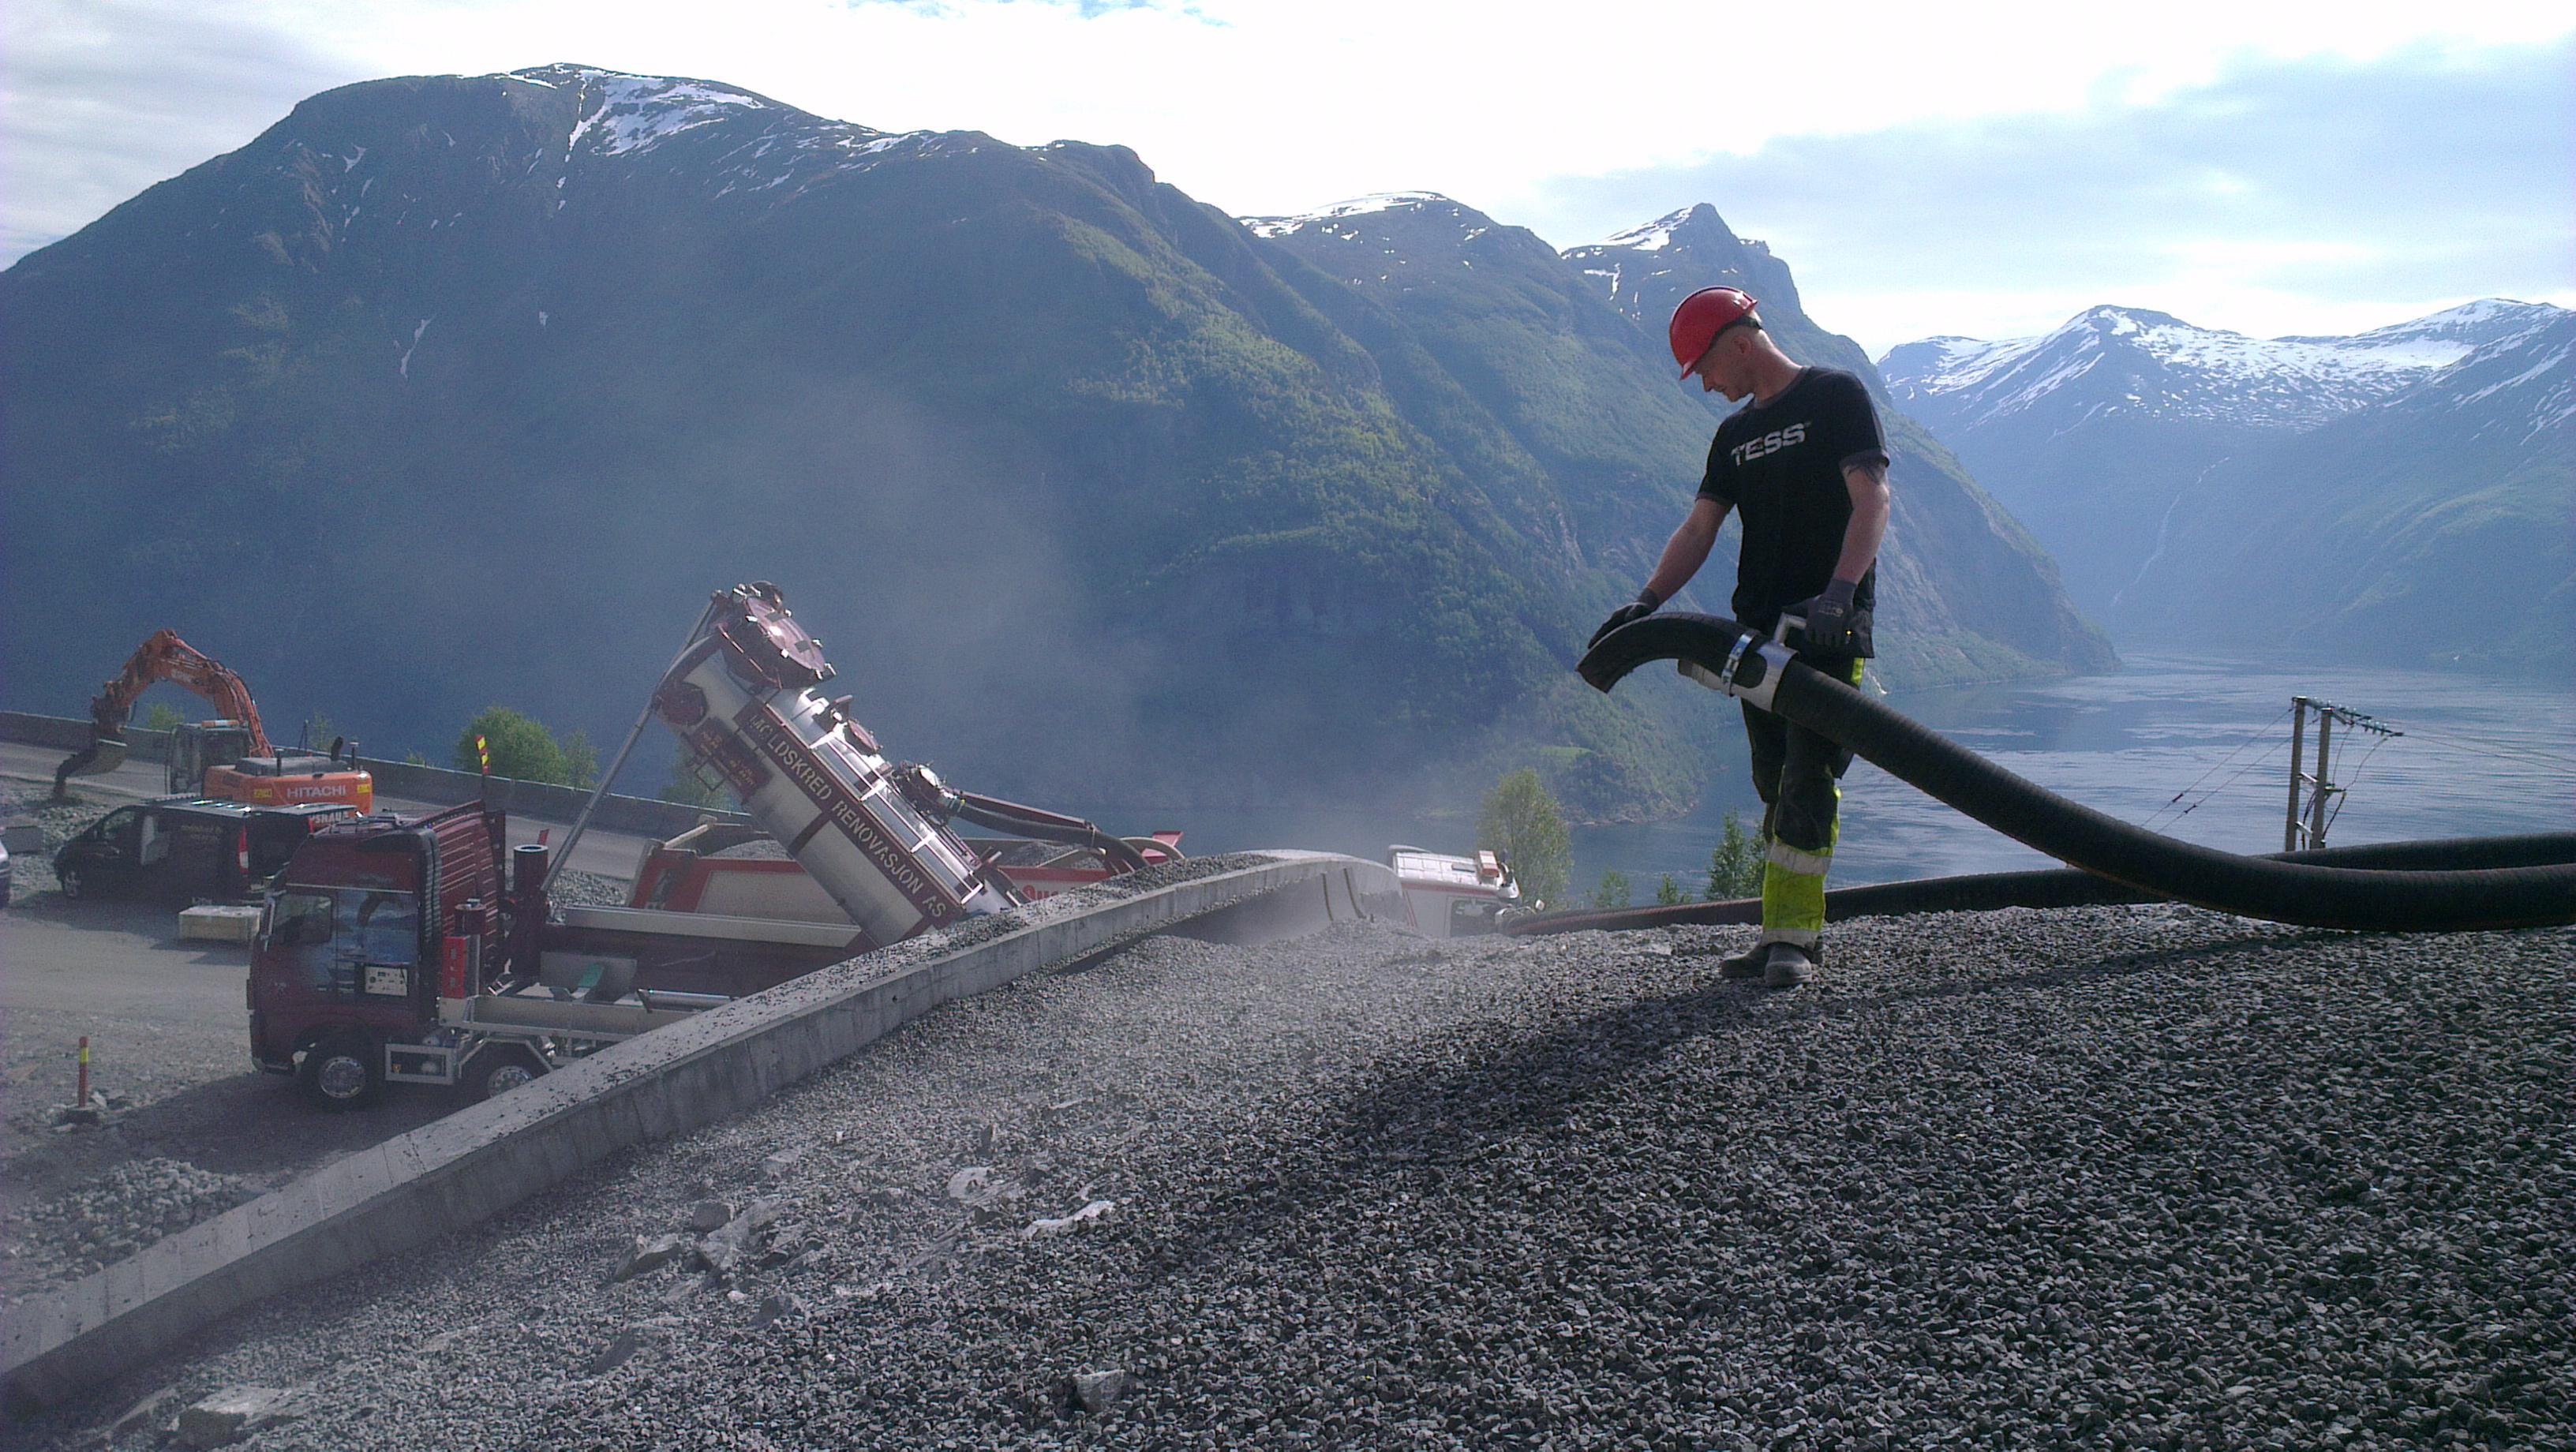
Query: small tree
{"type": "Point", "coordinates": [1735, 863]}
{"type": "Point", "coordinates": [1613, 891]}
{"type": "Point", "coordinates": [581, 760]}
{"type": "Point", "coordinates": [162, 716]}
{"type": "Point", "coordinates": [1668, 892]}
{"type": "Point", "coordinates": [319, 731]}
{"type": "Point", "coordinates": [520, 746]}
{"type": "Point", "coordinates": [1521, 820]}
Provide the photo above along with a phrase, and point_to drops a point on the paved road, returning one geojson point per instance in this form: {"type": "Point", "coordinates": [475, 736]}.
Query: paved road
{"type": "Point", "coordinates": [612, 854]}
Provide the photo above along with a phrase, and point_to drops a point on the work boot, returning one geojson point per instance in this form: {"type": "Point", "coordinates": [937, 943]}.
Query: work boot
{"type": "Point", "coordinates": [1789, 966]}
{"type": "Point", "coordinates": [1747, 964]}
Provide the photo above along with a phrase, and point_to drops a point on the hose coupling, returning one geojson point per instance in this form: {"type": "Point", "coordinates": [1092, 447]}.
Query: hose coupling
{"type": "Point", "coordinates": [1753, 681]}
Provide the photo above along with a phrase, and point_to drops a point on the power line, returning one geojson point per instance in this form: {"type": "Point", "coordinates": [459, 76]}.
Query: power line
{"type": "Point", "coordinates": [2222, 786]}
{"type": "Point", "coordinates": [2343, 794]}
{"type": "Point", "coordinates": [2488, 747]}
{"type": "Point", "coordinates": [2258, 736]}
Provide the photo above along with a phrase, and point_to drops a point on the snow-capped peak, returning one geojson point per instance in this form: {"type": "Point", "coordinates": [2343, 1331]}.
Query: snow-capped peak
{"type": "Point", "coordinates": [1339, 211]}
{"type": "Point", "coordinates": [2155, 364]}
{"type": "Point", "coordinates": [1696, 223]}
{"type": "Point", "coordinates": [1655, 236]}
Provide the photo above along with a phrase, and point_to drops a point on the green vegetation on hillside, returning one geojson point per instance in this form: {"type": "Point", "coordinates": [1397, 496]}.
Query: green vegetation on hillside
{"type": "Point", "coordinates": [522, 748]}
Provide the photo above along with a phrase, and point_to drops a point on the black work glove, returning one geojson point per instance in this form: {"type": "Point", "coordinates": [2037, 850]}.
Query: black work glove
{"type": "Point", "coordinates": [1830, 627]}
{"type": "Point", "coordinates": [1644, 605]}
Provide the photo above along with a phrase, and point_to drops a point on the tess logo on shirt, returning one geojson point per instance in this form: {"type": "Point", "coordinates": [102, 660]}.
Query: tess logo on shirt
{"type": "Point", "coordinates": [1770, 443]}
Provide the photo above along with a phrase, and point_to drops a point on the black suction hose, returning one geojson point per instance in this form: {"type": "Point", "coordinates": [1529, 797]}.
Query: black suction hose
{"type": "Point", "coordinates": [2302, 893]}
{"type": "Point", "coordinates": [2049, 887]}
{"type": "Point", "coordinates": [1046, 826]}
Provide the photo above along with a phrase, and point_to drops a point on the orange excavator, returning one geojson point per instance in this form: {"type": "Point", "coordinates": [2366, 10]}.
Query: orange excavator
{"type": "Point", "coordinates": [230, 758]}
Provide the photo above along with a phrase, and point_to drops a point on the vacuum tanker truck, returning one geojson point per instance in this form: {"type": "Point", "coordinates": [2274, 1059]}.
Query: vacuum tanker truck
{"type": "Point", "coordinates": [394, 951]}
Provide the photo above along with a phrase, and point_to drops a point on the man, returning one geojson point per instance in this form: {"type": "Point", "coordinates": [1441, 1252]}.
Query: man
{"type": "Point", "coordinates": [1805, 467]}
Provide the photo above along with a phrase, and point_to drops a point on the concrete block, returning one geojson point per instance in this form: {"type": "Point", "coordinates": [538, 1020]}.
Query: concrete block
{"type": "Point", "coordinates": [216, 923]}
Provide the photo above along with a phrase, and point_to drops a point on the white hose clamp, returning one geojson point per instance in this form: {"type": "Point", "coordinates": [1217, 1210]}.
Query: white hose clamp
{"type": "Point", "coordinates": [1775, 659]}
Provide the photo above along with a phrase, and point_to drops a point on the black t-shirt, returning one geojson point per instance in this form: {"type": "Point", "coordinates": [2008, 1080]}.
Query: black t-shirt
{"type": "Point", "coordinates": [1780, 467]}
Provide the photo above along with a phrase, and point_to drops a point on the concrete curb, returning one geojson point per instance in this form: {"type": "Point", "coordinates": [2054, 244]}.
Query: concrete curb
{"type": "Point", "coordinates": [451, 1173]}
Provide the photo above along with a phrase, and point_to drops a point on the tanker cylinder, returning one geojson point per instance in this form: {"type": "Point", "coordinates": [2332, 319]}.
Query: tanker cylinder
{"type": "Point", "coordinates": [744, 699]}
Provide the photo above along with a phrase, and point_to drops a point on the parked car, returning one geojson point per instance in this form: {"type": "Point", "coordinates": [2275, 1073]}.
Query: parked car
{"type": "Point", "coordinates": [187, 848]}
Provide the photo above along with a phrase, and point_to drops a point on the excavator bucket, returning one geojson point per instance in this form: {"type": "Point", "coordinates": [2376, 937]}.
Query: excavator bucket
{"type": "Point", "coordinates": [104, 754]}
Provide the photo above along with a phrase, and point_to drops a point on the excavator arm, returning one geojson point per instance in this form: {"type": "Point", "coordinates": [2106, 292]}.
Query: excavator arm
{"type": "Point", "coordinates": [162, 658]}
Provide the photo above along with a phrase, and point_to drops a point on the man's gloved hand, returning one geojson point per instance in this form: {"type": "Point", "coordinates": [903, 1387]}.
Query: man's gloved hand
{"type": "Point", "coordinates": [1645, 604]}
{"type": "Point", "coordinates": [1829, 620]}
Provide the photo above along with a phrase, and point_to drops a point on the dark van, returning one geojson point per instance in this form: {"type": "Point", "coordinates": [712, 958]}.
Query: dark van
{"type": "Point", "coordinates": [192, 849]}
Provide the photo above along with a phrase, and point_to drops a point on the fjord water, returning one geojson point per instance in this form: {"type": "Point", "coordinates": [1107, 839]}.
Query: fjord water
{"type": "Point", "coordinates": [2482, 757]}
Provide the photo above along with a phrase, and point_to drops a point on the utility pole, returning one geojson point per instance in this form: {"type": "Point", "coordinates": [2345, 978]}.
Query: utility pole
{"type": "Point", "coordinates": [2298, 739]}
{"type": "Point", "coordinates": [2319, 786]}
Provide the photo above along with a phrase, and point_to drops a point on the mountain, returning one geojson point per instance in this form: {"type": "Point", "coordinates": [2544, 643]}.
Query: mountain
{"type": "Point", "coordinates": [2090, 433]}
{"type": "Point", "coordinates": [448, 390]}
{"type": "Point", "coordinates": [2435, 526]}
{"type": "Point", "coordinates": [1965, 591]}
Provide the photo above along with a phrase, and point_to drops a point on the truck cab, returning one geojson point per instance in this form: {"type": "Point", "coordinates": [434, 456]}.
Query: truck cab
{"type": "Point", "coordinates": [1451, 896]}
{"type": "Point", "coordinates": [390, 952]}
{"type": "Point", "coordinates": [356, 933]}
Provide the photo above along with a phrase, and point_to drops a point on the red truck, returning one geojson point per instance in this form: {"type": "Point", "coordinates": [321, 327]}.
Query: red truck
{"type": "Point", "coordinates": [391, 951]}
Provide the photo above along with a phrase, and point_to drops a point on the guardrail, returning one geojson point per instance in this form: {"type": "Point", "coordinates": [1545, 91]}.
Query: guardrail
{"type": "Point", "coordinates": [410, 781]}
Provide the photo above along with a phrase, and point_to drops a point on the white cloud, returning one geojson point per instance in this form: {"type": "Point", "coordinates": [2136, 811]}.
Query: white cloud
{"type": "Point", "coordinates": [1265, 106]}
{"type": "Point", "coordinates": [1258, 106]}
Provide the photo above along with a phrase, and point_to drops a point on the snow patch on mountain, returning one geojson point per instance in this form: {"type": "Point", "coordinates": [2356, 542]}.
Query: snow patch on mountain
{"type": "Point", "coordinates": [1655, 236]}
{"type": "Point", "coordinates": [635, 112]}
{"type": "Point", "coordinates": [625, 115]}
{"type": "Point", "coordinates": [1342, 211]}
{"type": "Point", "coordinates": [2526, 381]}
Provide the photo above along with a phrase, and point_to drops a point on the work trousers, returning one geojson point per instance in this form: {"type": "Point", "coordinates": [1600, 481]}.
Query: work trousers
{"type": "Point", "coordinates": [1799, 774]}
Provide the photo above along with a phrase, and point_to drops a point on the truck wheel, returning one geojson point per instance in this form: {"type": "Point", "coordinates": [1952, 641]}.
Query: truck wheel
{"type": "Point", "coordinates": [346, 1072]}
{"type": "Point", "coordinates": [498, 1069]}
{"type": "Point", "coordinates": [69, 880]}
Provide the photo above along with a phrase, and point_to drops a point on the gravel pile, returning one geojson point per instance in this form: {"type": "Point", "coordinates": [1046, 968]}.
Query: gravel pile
{"type": "Point", "coordinates": [124, 1210]}
{"type": "Point", "coordinates": [588, 889]}
{"type": "Point", "coordinates": [2107, 1177]}
{"type": "Point", "coordinates": [33, 872]}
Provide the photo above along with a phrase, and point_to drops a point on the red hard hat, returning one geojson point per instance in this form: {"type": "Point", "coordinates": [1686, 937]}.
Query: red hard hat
{"type": "Point", "coordinates": [1701, 317]}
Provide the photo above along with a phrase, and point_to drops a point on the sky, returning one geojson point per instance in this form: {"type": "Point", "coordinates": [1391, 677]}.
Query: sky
{"type": "Point", "coordinates": [1985, 170]}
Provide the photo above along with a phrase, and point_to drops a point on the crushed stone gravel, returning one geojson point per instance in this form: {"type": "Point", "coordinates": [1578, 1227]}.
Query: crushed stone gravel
{"type": "Point", "coordinates": [33, 872]}
{"type": "Point", "coordinates": [125, 1209]}
{"type": "Point", "coordinates": [2140, 1176]}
